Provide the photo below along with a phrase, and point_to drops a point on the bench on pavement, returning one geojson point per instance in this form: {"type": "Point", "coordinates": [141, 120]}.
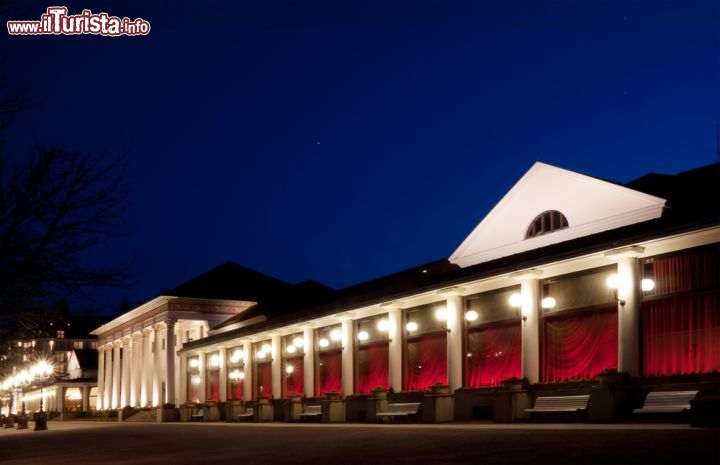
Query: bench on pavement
{"type": "Point", "coordinates": [311, 412]}
{"type": "Point", "coordinates": [247, 415]}
{"type": "Point", "coordinates": [667, 402]}
{"type": "Point", "coordinates": [562, 405]}
{"type": "Point", "coordinates": [400, 409]}
{"type": "Point", "coordinates": [198, 416]}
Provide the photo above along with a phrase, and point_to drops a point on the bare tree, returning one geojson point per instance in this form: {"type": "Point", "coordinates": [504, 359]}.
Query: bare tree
{"type": "Point", "coordinates": [56, 205]}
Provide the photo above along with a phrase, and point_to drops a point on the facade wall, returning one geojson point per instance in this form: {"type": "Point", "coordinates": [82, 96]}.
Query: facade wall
{"type": "Point", "coordinates": [565, 320]}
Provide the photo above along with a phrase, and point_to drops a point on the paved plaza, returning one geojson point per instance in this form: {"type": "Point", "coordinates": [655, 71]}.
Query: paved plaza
{"type": "Point", "coordinates": [349, 444]}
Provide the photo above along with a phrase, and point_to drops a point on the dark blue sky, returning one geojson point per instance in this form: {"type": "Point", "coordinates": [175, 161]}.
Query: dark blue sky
{"type": "Point", "coordinates": [344, 140]}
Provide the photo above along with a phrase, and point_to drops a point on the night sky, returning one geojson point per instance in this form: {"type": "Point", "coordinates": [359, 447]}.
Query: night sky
{"type": "Point", "coordinates": [344, 140]}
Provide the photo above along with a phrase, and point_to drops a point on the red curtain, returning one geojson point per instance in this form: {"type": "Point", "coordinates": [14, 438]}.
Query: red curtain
{"type": "Point", "coordinates": [264, 379]}
{"type": "Point", "coordinates": [372, 367]}
{"type": "Point", "coordinates": [329, 372]}
{"type": "Point", "coordinates": [426, 361]}
{"type": "Point", "coordinates": [493, 354]}
{"type": "Point", "coordinates": [294, 381]}
{"type": "Point", "coordinates": [213, 385]}
{"type": "Point", "coordinates": [681, 334]}
{"type": "Point", "coordinates": [236, 389]}
{"type": "Point", "coordinates": [580, 345]}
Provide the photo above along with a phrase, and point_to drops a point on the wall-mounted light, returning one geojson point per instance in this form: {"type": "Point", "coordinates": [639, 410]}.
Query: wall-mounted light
{"type": "Point", "coordinates": [548, 303]}
{"type": "Point", "coordinates": [299, 342]}
{"type": "Point", "coordinates": [335, 335]}
{"type": "Point", "coordinates": [516, 302]}
{"type": "Point", "coordinates": [194, 363]}
{"type": "Point", "coordinates": [323, 342]}
{"type": "Point", "coordinates": [613, 282]}
{"type": "Point", "coordinates": [471, 315]}
{"type": "Point", "coordinates": [236, 356]}
{"type": "Point", "coordinates": [363, 336]}
{"type": "Point", "coordinates": [647, 285]}
{"type": "Point", "coordinates": [383, 325]}
{"type": "Point", "coordinates": [214, 361]}
{"type": "Point", "coordinates": [289, 369]}
{"type": "Point", "coordinates": [411, 326]}
{"type": "Point", "coordinates": [291, 349]}
{"type": "Point", "coordinates": [267, 348]}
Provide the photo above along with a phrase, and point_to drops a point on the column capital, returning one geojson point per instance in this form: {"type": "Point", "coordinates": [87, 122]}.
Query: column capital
{"type": "Point", "coordinates": [633, 251]}
{"type": "Point", "coordinates": [524, 275]}
{"type": "Point", "coordinates": [393, 304]}
{"type": "Point", "coordinates": [451, 291]}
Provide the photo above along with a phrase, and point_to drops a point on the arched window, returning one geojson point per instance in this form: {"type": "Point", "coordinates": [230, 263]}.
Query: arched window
{"type": "Point", "coordinates": [545, 222]}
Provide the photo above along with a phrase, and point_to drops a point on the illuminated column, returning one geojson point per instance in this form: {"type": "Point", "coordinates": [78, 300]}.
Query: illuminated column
{"type": "Point", "coordinates": [101, 379]}
{"type": "Point", "coordinates": [157, 371]}
{"type": "Point", "coordinates": [276, 368]}
{"type": "Point", "coordinates": [309, 361]}
{"type": "Point", "coordinates": [135, 373]}
{"type": "Point", "coordinates": [395, 347]}
{"type": "Point", "coordinates": [348, 367]}
{"type": "Point", "coordinates": [223, 374]}
{"type": "Point", "coordinates": [530, 313]}
{"type": "Point", "coordinates": [454, 315]}
{"type": "Point", "coordinates": [107, 399]}
{"type": "Point", "coordinates": [116, 372]}
{"type": "Point", "coordinates": [629, 301]}
{"type": "Point", "coordinates": [247, 371]}
{"type": "Point", "coordinates": [146, 370]}
{"type": "Point", "coordinates": [170, 394]}
{"type": "Point", "coordinates": [126, 351]}
{"type": "Point", "coordinates": [85, 398]}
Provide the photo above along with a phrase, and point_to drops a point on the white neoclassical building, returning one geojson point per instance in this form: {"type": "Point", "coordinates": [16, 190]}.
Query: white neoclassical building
{"type": "Point", "coordinates": [566, 277]}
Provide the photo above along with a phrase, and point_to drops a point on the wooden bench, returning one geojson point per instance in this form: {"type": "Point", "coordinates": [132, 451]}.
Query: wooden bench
{"type": "Point", "coordinates": [568, 405]}
{"type": "Point", "coordinates": [197, 416]}
{"type": "Point", "coordinates": [247, 415]}
{"type": "Point", "coordinates": [667, 402]}
{"type": "Point", "coordinates": [403, 409]}
{"type": "Point", "coordinates": [311, 412]}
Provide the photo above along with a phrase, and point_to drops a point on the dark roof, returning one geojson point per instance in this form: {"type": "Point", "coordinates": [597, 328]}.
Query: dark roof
{"type": "Point", "coordinates": [693, 201]}
{"type": "Point", "coordinates": [87, 358]}
{"type": "Point", "coordinates": [230, 281]}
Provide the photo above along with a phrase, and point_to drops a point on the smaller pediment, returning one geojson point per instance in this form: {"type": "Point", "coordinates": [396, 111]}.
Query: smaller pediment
{"type": "Point", "coordinates": [549, 205]}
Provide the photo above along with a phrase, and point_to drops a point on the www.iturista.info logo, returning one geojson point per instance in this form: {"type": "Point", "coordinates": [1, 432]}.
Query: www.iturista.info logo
{"type": "Point", "coordinates": [56, 21]}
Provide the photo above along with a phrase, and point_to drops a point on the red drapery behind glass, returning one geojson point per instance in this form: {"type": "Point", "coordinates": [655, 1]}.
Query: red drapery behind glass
{"type": "Point", "coordinates": [372, 364]}
{"type": "Point", "coordinates": [329, 372]}
{"type": "Point", "coordinates": [426, 361]}
{"type": "Point", "coordinates": [493, 354]}
{"type": "Point", "coordinates": [580, 345]}
{"type": "Point", "coordinates": [264, 379]}
{"type": "Point", "coordinates": [294, 381]}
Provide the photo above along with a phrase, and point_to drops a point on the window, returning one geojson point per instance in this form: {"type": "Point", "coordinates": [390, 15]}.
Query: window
{"type": "Point", "coordinates": [372, 352]}
{"type": "Point", "coordinates": [549, 221]}
{"type": "Point", "coordinates": [425, 346]}
{"type": "Point", "coordinates": [236, 372]}
{"type": "Point", "coordinates": [328, 371]}
{"type": "Point", "coordinates": [263, 369]}
{"type": "Point", "coordinates": [293, 374]}
{"type": "Point", "coordinates": [193, 379]}
{"type": "Point", "coordinates": [493, 339]}
{"type": "Point", "coordinates": [212, 376]}
{"type": "Point", "coordinates": [680, 318]}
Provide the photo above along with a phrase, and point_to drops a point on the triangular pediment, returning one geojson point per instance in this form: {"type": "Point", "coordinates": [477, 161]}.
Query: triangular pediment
{"type": "Point", "coordinates": [590, 205]}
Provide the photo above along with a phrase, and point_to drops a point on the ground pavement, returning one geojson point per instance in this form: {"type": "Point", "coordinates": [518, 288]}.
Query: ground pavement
{"type": "Point", "coordinates": [116, 443]}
